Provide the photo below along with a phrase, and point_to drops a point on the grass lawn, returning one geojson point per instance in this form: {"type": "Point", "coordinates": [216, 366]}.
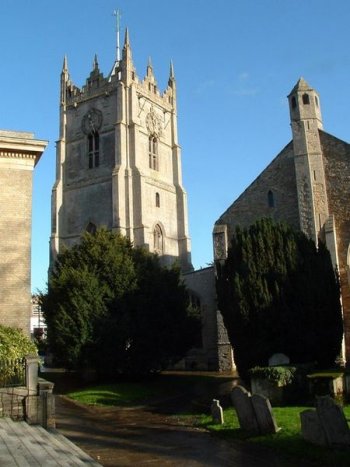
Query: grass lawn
{"type": "Point", "coordinates": [139, 392]}
{"type": "Point", "coordinates": [121, 394]}
{"type": "Point", "coordinates": [287, 441]}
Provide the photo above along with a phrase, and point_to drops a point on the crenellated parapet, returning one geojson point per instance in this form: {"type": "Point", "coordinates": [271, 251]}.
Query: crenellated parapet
{"type": "Point", "coordinates": [123, 73]}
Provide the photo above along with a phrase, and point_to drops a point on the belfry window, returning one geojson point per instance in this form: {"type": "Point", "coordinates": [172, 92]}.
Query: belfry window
{"type": "Point", "coordinates": [294, 102]}
{"type": "Point", "coordinates": [306, 99]}
{"type": "Point", "coordinates": [270, 199]}
{"type": "Point", "coordinates": [158, 240]}
{"type": "Point", "coordinates": [153, 152]}
{"type": "Point", "coordinates": [94, 149]}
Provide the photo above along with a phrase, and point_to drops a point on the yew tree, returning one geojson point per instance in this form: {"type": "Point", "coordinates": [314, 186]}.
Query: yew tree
{"type": "Point", "coordinates": [278, 292]}
{"type": "Point", "coordinates": [114, 308]}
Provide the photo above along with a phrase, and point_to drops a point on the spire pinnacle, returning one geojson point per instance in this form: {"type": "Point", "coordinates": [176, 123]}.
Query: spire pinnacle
{"type": "Point", "coordinates": [65, 64]}
{"type": "Point", "coordinates": [126, 39]}
{"type": "Point", "coordinates": [149, 63]}
{"type": "Point", "coordinates": [171, 74]}
{"type": "Point", "coordinates": [95, 63]}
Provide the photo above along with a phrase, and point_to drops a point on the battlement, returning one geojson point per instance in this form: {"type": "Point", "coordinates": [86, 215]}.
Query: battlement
{"type": "Point", "coordinates": [123, 73]}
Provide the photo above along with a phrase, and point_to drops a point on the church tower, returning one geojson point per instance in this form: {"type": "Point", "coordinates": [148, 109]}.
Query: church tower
{"type": "Point", "coordinates": [119, 161]}
{"type": "Point", "coordinates": [306, 121]}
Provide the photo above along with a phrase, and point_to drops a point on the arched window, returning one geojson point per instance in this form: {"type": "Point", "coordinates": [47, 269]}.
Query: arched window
{"type": "Point", "coordinates": [306, 99]}
{"type": "Point", "coordinates": [158, 240]}
{"type": "Point", "coordinates": [94, 149]}
{"type": "Point", "coordinates": [153, 152]}
{"type": "Point", "coordinates": [294, 102]}
{"type": "Point", "coordinates": [91, 228]}
{"type": "Point", "coordinates": [270, 199]}
{"type": "Point", "coordinates": [157, 200]}
{"type": "Point", "coordinates": [316, 100]}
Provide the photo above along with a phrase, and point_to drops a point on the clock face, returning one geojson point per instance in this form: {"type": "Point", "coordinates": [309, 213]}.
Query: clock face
{"type": "Point", "coordinates": [92, 121]}
{"type": "Point", "coordinates": [154, 123]}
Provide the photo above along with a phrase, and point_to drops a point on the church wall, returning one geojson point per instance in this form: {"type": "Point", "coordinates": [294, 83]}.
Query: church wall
{"type": "Point", "coordinates": [279, 179]}
{"type": "Point", "coordinates": [337, 168]}
{"type": "Point", "coordinates": [89, 203]}
{"type": "Point", "coordinates": [216, 351]}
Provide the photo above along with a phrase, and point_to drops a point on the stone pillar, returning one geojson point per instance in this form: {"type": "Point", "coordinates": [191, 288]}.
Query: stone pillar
{"type": "Point", "coordinates": [32, 366]}
{"type": "Point", "coordinates": [47, 404]}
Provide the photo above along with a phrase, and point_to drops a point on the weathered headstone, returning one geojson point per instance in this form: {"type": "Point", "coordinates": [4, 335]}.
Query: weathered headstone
{"type": "Point", "coordinates": [311, 428]}
{"type": "Point", "coordinates": [264, 415]}
{"type": "Point", "coordinates": [216, 412]}
{"type": "Point", "coordinates": [242, 402]}
{"type": "Point", "coordinates": [333, 421]}
{"type": "Point", "coordinates": [279, 359]}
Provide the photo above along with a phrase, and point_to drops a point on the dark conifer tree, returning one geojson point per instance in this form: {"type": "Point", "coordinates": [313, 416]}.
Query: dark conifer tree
{"type": "Point", "coordinates": [277, 292]}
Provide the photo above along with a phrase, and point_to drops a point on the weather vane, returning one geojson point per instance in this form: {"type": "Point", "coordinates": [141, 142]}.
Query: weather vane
{"type": "Point", "coordinates": [116, 13]}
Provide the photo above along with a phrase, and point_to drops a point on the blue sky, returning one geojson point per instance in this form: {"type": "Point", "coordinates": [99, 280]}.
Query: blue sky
{"type": "Point", "coordinates": [235, 62]}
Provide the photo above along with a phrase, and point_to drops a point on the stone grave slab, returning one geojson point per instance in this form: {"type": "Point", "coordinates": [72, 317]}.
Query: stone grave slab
{"type": "Point", "coordinates": [216, 412]}
{"type": "Point", "coordinates": [242, 402]}
{"type": "Point", "coordinates": [264, 415]}
{"type": "Point", "coordinates": [311, 428]}
{"type": "Point", "coordinates": [279, 359]}
{"type": "Point", "coordinates": [333, 421]}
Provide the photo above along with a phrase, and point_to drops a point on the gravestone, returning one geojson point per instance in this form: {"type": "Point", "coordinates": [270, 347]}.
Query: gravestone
{"type": "Point", "coordinates": [279, 359]}
{"type": "Point", "coordinates": [326, 425]}
{"type": "Point", "coordinates": [242, 402]}
{"type": "Point", "coordinates": [333, 421]}
{"type": "Point", "coordinates": [264, 415]}
{"type": "Point", "coordinates": [216, 412]}
{"type": "Point", "coordinates": [311, 428]}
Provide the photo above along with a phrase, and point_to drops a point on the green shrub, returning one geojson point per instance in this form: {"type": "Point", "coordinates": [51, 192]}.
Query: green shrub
{"type": "Point", "coordinates": [14, 346]}
{"type": "Point", "coordinates": [281, 375]}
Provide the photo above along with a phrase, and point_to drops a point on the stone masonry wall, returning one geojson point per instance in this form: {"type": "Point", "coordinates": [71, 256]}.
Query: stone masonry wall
{"type": "Point", "coordinates": [337, 168]}
{"type": "Point", "coordinates": [253, 203]}
{"type": "Point", "coordinates": [216, 352]}
{"type": "Point", "coordinates": [15, 236]}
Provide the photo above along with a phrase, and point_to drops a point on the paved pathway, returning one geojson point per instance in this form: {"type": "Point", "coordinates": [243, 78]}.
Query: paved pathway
{"type": "Point", "coordinates": [22, 445]}
{"type": "Point", "coordinates": [146, 437]}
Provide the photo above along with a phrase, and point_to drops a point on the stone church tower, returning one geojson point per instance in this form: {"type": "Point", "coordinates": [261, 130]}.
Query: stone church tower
{"type": "Point", "coordinates": [307, 186]}
{"type": "Point", "coordinates": [119, 161]}
{"type": "Point", "coordinates": [306, 120]}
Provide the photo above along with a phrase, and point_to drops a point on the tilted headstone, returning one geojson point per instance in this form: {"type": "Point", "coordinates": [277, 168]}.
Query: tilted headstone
{"type": "Point", "coordinates": [333, 421]}
{"type": "Point", "coordinates": [216, 412]}
{"type": "Point", "coordinates": [264, 415]}
{"type": "Point", "coordinates": [311, 428]}
{"type": "Point", "coordinates": [242, 402]}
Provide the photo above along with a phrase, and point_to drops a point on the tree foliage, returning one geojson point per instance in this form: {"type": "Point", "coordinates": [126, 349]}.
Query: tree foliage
{"type": "Point", "coordinates": [113, 307]}
{"type": "Point", "coordinates": [14, 346]}
{"type": "Point", "coordinates": [279, 293]}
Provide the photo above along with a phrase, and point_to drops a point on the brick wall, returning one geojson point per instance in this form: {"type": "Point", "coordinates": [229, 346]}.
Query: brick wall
{"type": "Point", "coordinates": [15, 238]}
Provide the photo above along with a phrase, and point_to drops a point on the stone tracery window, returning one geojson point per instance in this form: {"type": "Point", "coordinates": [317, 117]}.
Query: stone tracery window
{"type": "Point", "coordinates": [153, 152]}
{"type": "Point", "coordinates": [158, 240]}
{"type": "Point", "coordinates": [94, 149]}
